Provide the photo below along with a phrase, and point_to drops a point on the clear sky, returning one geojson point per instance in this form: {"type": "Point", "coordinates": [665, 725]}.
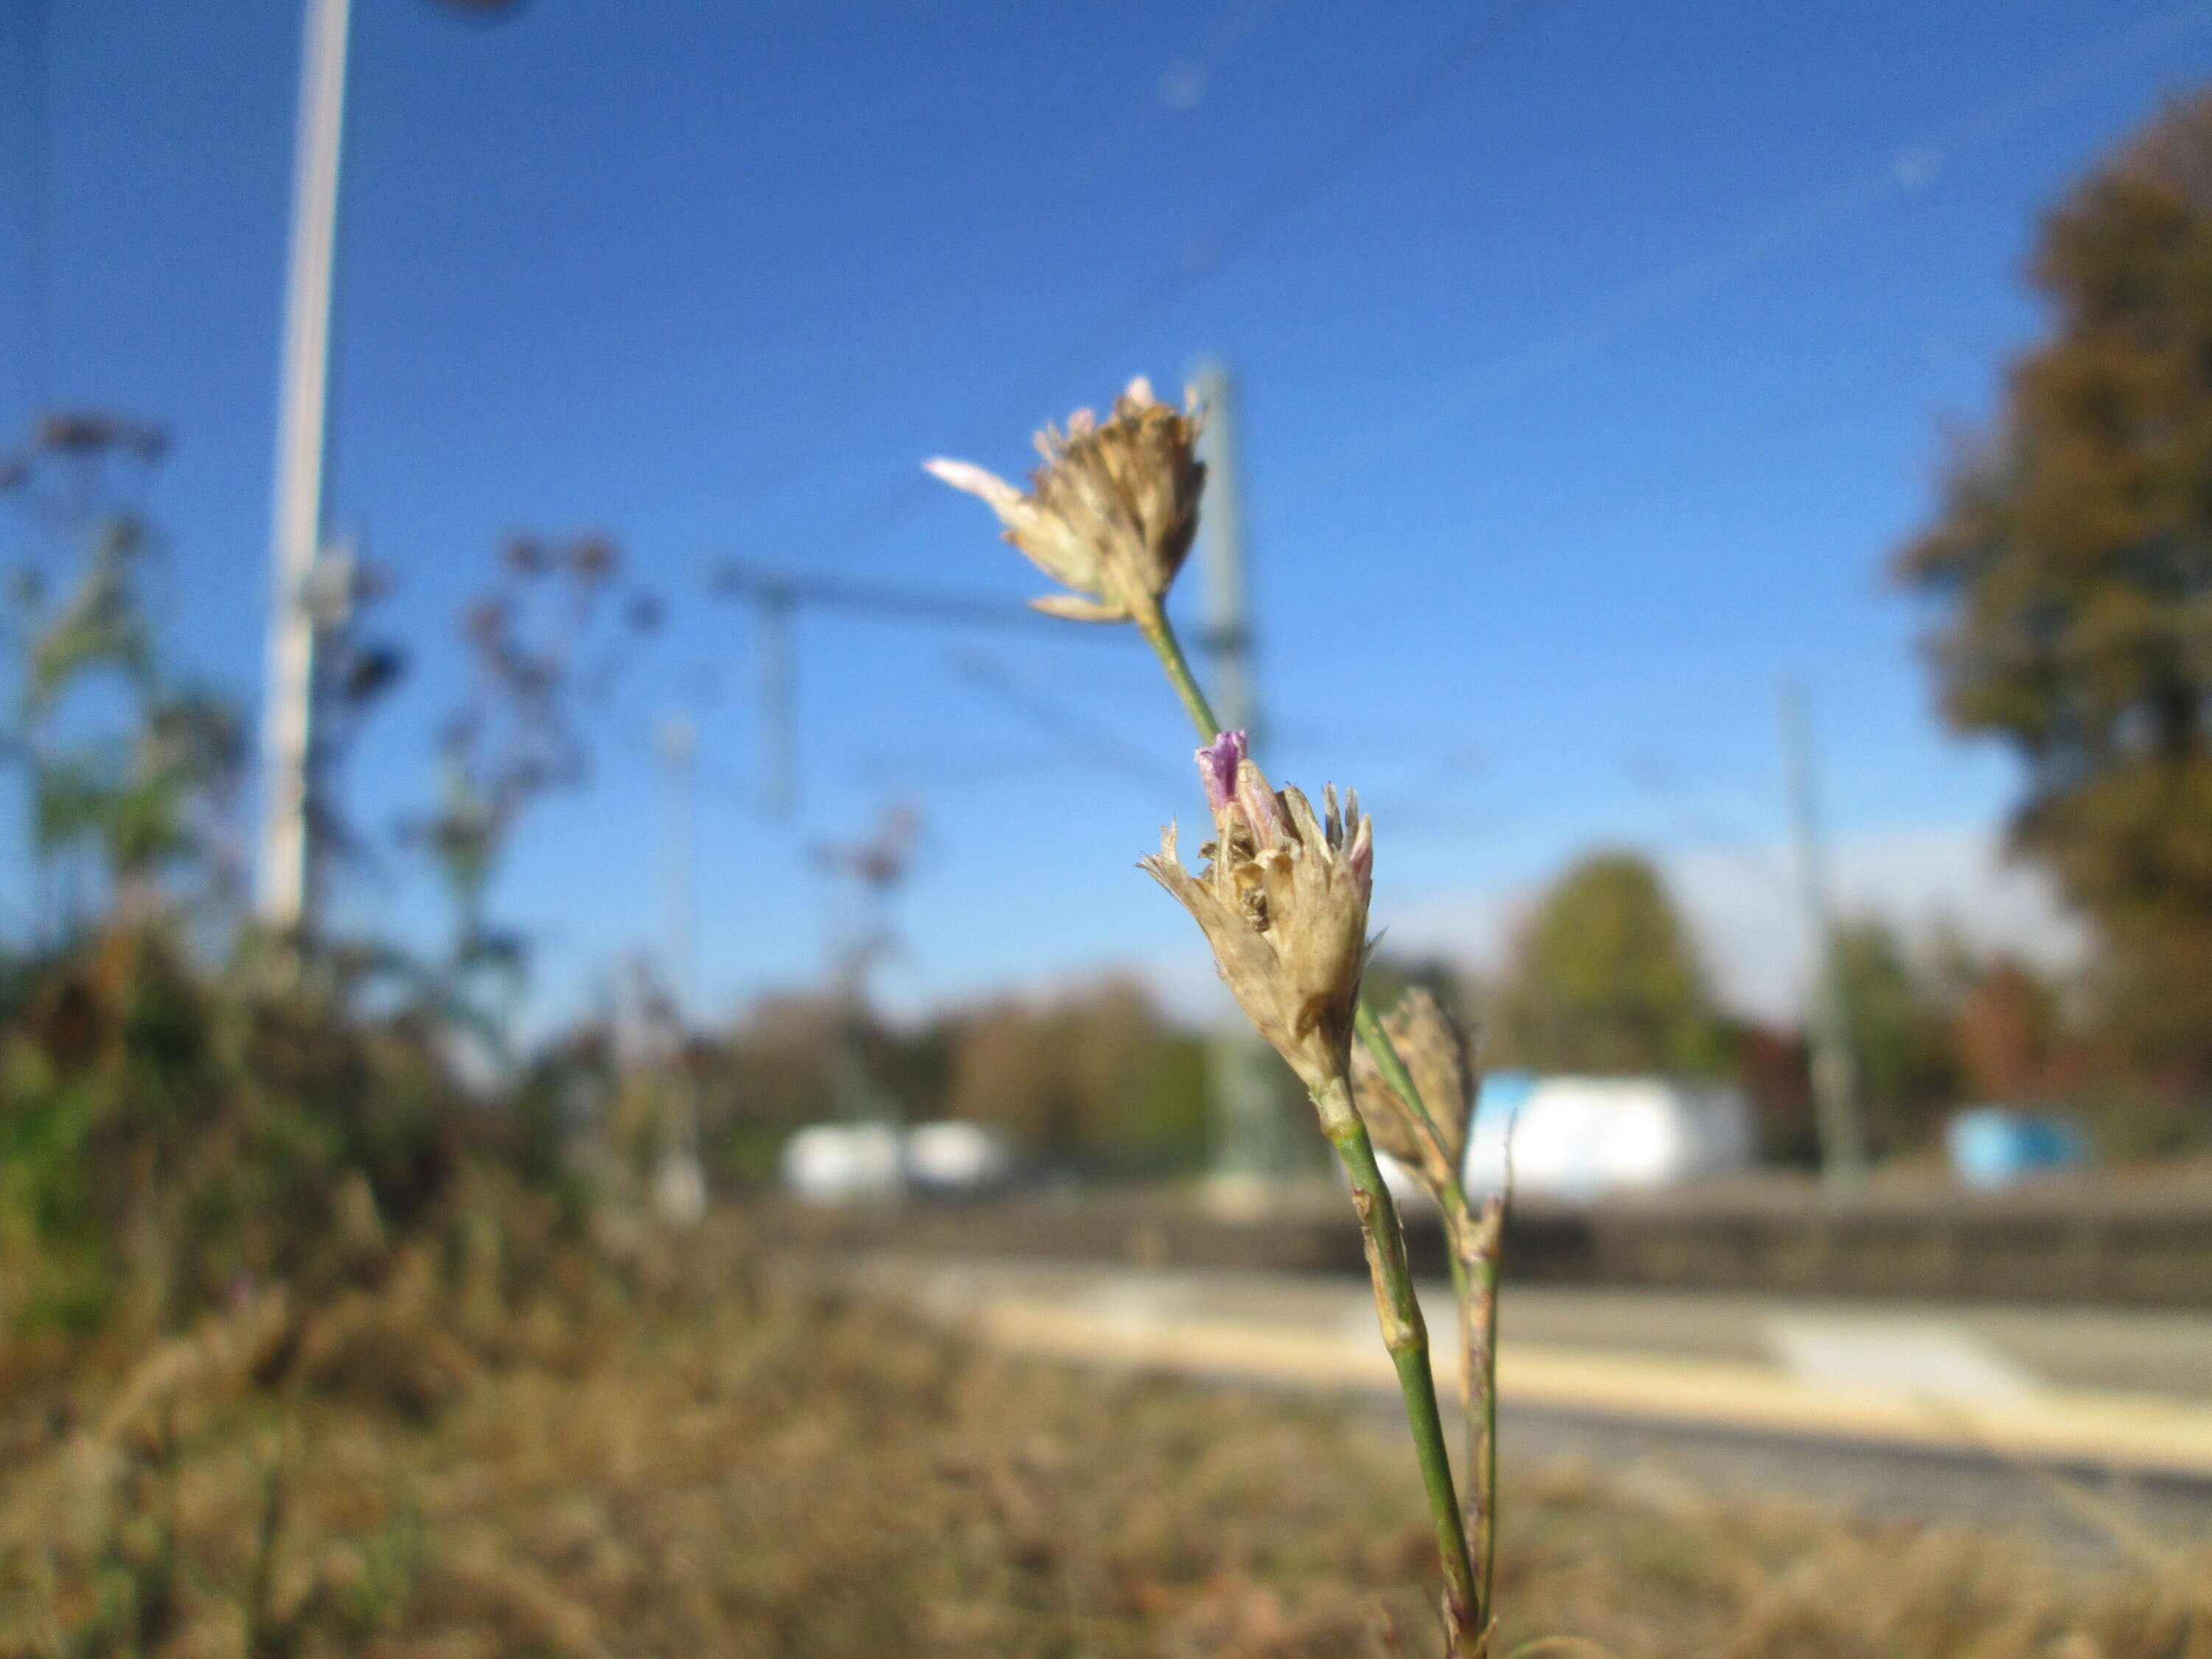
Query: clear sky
{"type": "Point", "coordinates": [1594, 358]}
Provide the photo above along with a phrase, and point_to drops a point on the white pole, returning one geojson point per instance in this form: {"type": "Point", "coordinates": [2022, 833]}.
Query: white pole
{"type": "Point", "coordinates": [288, 712]}
{"type": "Point", "coordinates": [679, 749]}
{"type": "Point", "coordinates": [1835, 1074]}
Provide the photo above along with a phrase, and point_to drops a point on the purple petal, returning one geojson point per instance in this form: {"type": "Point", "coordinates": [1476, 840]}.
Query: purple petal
{"type": "Point", "coordinates": [1217, 764]}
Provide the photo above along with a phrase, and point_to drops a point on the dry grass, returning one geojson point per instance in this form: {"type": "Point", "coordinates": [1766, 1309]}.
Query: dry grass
{"type": "Point", "coordinates": [649, 1461]}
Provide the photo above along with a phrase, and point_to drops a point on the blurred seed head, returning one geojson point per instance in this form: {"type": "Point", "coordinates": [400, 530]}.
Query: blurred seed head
{"type": "Point", "coordinates": [370, 672]}
{"type": "Point", "coordinates": [1113, 511]}
{"type": "Point", "coordinates": [1283, 900]}
{"type": "Point", "coordinates": [485, 622]}
{"type": "Point", "coordinates": [86, 434]}
{"type": "Point", "coordinates": [593, 558]}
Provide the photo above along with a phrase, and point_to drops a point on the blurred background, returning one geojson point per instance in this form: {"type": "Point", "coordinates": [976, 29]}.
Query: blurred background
{"type": "Point", "coordinates": [504, 742]}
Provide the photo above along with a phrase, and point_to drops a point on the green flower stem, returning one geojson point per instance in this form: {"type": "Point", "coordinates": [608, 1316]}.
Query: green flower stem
{"type": "Point", "coordinates": [1160, 634]}
{"type": "Point", "coordinates": [1472, 1251]}
{"type": "Point", "coordinates": [1403, 1332]}
{"type": "Point", "coordinates": [1405, 1336]}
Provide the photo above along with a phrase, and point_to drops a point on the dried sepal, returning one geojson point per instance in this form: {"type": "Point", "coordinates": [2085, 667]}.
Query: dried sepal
{"type": "Point", "coordinates": [1112, 513]}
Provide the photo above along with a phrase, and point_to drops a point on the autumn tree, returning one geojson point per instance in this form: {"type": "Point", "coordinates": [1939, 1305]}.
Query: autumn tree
{"type": "Point", "coordinates": [1096, 1078]}
{"type": "Point", "coordinates": [2072, 556]}
{"type": "Point", "coordinates": [1604, 978]}
{"type": "Point", "coordinates": [2009, 1036]}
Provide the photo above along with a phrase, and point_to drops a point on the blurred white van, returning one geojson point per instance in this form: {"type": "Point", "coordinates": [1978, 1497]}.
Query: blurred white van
{"type": "Point", "coordinates": [1579, 1137]}
{"type": "Point", "coordinates": [838, 1163]}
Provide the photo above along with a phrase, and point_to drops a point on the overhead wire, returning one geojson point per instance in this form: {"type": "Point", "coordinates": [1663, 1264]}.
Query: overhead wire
{"type": "Point", "coordinates": [34, 258]}
{"type": "Point", "coordinates": [1071, 731]}
{"type": "Point", "coordinates": [1750, 861]}
{"type": "Point", "coordinates": [1701, 462]}
{"type": "Point", "coordinates": [1902, 171]}
{"type": "Point", "coordinates": [897, 502]}
{"type": "Point", "coordinates": [1236, 26]}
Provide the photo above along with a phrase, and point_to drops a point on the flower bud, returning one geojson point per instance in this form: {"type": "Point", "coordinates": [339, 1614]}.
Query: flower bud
{"type": "Point", "coordinates": [1436, 1053]}
{"type": "Point", "coordinates": [1283, 900]}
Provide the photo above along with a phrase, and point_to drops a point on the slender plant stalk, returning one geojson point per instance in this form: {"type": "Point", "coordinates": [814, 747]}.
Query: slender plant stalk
{"type": "Point", "coordinates": [1403, 1332]}
{"type": "Point", "coordinates": [1476, 1240]}
{"type": "Point", "coordinates": [1160, 634]}
{"type": "Point", "coordinates": [1472, 1248]}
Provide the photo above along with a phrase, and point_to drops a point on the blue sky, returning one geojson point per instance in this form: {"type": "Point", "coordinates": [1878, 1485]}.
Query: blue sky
{"type": "Point", "coordinates": [1594, 359]}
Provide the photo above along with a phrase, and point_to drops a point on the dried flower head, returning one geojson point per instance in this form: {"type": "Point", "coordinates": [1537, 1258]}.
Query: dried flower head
{"type": "Point", "coordinates": [1112, 512]}
{"type": "Point", "coordinates": [1283, 901]}
{"type": "Point", "coordinates": [1436, 1053]}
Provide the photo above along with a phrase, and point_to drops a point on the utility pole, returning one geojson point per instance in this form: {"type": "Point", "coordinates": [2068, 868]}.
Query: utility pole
{"type": "Point", "coordinates": [1835, 1074]}
{"type": "Point", "coordinates": [679, 1184]}
{"type": "Point", "coordinates": [284, 886]}
{"type": "Point", "coordinates": [877, 867]}
{"type": "Point", "coordinates": [287, 711]}
{"type": "Point", "coordinates": [779, 767]}
{"type": "Point", "coordinates": [1227, 635]}
{"type": "Point", "coordinates": [1250, 1150]}
{"type": "Point", "coordinates": [679, 743]}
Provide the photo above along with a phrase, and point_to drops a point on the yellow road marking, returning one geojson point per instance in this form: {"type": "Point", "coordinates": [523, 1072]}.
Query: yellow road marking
{"type": "Point", "coordinates": [2140, 1432]}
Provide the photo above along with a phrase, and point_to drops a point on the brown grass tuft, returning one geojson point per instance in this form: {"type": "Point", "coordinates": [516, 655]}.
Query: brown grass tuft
{"type": "Point", "coordinates": [688, 1457]}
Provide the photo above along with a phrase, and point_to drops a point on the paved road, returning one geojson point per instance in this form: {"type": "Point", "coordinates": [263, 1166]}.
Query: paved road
{"type": "Point", "coordinates": [1968, 1413]}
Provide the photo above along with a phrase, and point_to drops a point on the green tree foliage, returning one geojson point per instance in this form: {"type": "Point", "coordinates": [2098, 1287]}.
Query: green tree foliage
{"type": "Point", "coordinates": [1604, 978]}
{"type": "Point", "coordinates": [1900, 1028]}
{"type": "Point", "coordinates": [2072, 555]}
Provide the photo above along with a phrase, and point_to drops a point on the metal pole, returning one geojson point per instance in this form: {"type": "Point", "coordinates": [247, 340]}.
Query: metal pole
{"type": "Point", "coordinates": [1227, 638]}
{"type": "Point", "coordinates": [1835, 1074]}
{"type": "Point", "coordinates": [679, 745]}
{"type": "Point", "coordinates": [1249, 1148]}
{"type": "Point", "coordinates": [287, 710]}
{"type": "Point", "coordinates": [680, 1181]}
{"type": "Point", "coordinates": [779, 782]}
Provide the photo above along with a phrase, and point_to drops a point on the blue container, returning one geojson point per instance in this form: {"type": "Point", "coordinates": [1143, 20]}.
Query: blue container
{"type": "Point", "coordinates": [1501, 1095]}
{"type": "Point", "coordinates": [1996, 1146]}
